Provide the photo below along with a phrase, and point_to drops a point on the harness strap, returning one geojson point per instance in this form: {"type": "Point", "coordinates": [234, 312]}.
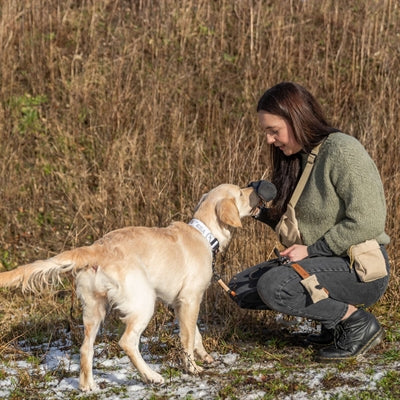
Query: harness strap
{"type": "Point", "coordinates": [305, 175]}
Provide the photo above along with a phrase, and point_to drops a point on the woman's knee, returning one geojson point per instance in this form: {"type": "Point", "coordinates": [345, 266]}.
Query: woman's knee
{"type": "Point", "coordinates": [270, 285]}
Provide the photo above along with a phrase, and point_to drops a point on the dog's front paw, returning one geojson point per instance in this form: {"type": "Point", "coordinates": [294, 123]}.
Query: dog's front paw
{"type": "Point", "coordinates": [190, 365]}
{"type": "Point", "coordinates": [195, 369]}
{"type": "Point", "coordinates": [86, 382]}
{"type": "Point", "coordinates": [203, 355]}
{"type": "Point", "coordinates": [88, 387]}
{"type": "Point", "coordinates": [207, 359]}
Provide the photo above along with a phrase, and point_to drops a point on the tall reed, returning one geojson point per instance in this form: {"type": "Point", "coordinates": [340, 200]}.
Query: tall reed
{"type": "Point", "coordinates": [125, 112]}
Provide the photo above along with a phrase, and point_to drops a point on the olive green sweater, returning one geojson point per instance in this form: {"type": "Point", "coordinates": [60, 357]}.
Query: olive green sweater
{"type": "Point", "coordinates": [343, 201]}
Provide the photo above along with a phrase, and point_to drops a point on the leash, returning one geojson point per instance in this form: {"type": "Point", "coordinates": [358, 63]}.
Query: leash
{"type": "Point", "coordinates": [219, 280]}
{"type": "Point", "coordinates": [213, 241]}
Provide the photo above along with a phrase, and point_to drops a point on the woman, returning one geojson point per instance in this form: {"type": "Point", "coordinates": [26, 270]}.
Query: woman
{"type": "Point", "coordinates": [342, 205]}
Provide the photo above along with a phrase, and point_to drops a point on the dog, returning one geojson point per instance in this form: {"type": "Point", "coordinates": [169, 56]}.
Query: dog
{"type": "Point", "coordinates": [132, 267]}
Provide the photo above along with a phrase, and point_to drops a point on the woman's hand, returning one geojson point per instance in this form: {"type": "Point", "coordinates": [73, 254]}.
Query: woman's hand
{"type": "Point", "coordinates": [296, 252]}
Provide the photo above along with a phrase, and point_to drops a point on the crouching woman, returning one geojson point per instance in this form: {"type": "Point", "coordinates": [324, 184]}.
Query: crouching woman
{"type": "Point", "coordinates": [338, 210]}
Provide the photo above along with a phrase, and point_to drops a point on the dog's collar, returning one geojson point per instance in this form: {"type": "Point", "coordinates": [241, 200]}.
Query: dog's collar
{"type": "Point", "coordinates": [206, 233]}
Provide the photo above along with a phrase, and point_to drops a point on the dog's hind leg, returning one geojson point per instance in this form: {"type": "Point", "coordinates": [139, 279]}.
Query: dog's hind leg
{"type": "Point", "coordinates": [136, 319]}
{"type": "Point", "coordinates": [94, 310]}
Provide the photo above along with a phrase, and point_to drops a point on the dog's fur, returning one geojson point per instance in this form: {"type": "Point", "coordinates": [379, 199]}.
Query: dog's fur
{"type": "Point", "coordinates": [133, 266]}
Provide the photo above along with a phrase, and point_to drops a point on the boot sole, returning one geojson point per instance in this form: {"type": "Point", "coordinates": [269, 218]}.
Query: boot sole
{"type": "Point", "coordinates": [374, 341]}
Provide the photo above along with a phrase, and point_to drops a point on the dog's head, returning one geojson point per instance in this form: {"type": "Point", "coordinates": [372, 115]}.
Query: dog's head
{"type": "Point", "coordinates": [229, 203]}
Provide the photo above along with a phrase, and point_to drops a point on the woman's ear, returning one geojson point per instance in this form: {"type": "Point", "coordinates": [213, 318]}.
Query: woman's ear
{"type": "Point", "coordinates": [228, 213]}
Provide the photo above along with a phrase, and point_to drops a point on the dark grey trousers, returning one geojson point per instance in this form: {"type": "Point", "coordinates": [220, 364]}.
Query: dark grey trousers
{"type": "Point", "coordinates": [281, 290]}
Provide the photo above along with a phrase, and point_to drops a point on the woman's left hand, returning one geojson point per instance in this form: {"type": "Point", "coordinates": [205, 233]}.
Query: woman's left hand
{"type": "Point", "coordinates": [296, 252]}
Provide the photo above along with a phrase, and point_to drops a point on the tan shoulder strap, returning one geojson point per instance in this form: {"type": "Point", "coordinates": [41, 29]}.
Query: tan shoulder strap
{"type": "Point", "coordinates": [304, 176]}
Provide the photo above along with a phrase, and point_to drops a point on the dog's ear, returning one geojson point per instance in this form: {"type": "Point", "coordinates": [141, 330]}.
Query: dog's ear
{"type": "Point", "coordinates": [228, 213]}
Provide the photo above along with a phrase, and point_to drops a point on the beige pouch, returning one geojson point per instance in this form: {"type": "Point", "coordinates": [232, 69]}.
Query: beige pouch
{"type": "Point", "coordinates": [313, 287]}
{"type": "Point", "coordinates": [287, 228]}
{"type": "Point", "coordinates": [368, 260]}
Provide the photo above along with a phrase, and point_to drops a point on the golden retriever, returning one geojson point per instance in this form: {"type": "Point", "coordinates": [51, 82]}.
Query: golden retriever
{"type": "Point", "coordinates": [132, 267]}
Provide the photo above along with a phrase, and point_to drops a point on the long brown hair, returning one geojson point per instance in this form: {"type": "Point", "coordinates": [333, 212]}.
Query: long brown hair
{"type": "Point", "coordinates": [309, 126]}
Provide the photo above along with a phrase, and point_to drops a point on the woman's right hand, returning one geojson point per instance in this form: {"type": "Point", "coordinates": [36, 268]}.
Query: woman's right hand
{"type": "Point", "coordinates": [296, 252]}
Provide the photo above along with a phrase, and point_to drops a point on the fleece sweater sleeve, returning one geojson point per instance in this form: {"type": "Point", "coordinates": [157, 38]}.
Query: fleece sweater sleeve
{"type": "Point", "coordinates": [319, 249]}
{"type": "Point", "coordinates": [358, 185]}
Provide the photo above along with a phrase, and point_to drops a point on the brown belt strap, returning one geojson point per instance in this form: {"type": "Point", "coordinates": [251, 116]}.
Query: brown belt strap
{"type": "Point", "coordinates": [303, 273]}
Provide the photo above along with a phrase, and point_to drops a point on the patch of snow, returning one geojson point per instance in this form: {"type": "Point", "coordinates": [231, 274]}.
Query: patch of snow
{"type": "Point", "coordinates": [58, 374]}
{"type": "Point", "coordinates": [228, 359]}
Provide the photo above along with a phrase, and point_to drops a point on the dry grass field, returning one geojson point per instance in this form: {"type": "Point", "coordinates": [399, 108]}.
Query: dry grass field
{"type": "Point", "coordinates": [116, 113]}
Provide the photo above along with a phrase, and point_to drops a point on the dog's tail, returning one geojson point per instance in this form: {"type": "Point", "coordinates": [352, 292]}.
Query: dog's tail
{"type": "Point", "coordinates": [35, 276]}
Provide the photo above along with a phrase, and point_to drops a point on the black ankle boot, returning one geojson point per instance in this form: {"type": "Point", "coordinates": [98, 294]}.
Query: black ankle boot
{"type": "Point", "coordinates": [353, 337]}
{"type": "Point", "coordinates": [324, 338]}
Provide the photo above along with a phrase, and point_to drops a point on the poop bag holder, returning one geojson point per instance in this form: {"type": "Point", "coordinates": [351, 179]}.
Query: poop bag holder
{"type": "Point", "coordinates": [368, 260]}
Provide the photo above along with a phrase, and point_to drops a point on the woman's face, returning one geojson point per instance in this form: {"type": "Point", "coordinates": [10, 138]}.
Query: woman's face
{"type": "Point", "coordinates": [279, 133]}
